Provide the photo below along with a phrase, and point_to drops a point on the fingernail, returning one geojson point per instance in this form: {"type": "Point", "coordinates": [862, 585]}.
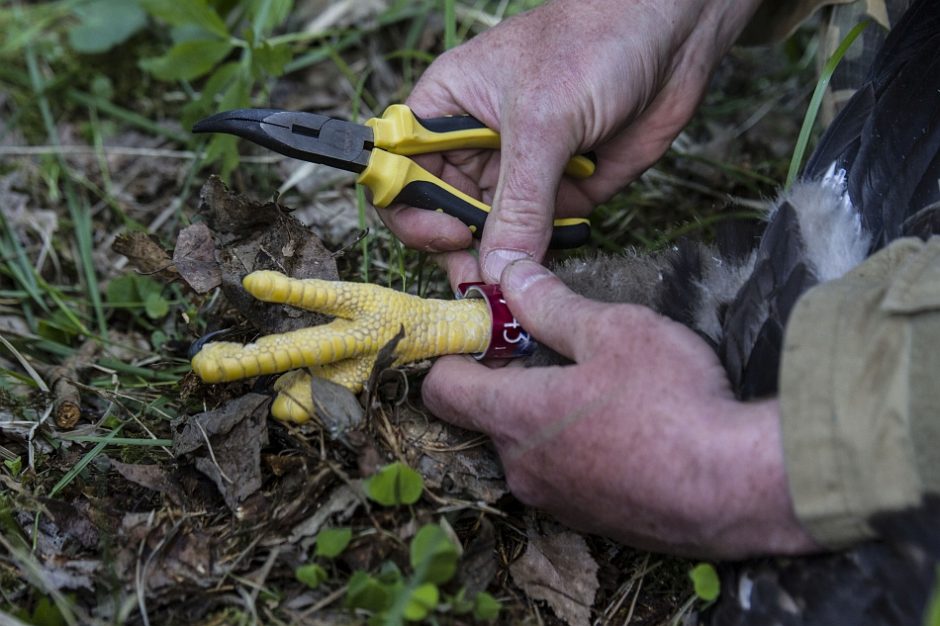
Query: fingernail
{"type": "Point", "coordinates": [496, 261]}
{"type": "Point", "coordinates": [522, 274]}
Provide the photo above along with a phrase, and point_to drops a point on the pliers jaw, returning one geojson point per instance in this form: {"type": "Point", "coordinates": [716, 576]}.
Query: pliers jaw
{"type": "Point", "coordinates": [305, 136]}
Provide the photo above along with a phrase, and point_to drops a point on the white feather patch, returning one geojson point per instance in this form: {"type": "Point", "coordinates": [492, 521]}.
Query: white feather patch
{"type": "Point", "coordinates": [831, 228]}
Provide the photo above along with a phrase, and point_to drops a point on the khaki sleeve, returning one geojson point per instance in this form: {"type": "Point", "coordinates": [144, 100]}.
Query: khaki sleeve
{"type": "Point", "coordinates": [860, 392]}
{"type": "Point", "coordinates": [776, 20]}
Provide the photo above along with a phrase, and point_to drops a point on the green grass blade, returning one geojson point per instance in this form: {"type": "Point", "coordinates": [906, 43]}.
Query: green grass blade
{"type": "Point", "coordinates": [810, 118]}
{"type": "Point", "coordinates": [80, 212]}
{"type": "Point", "coordinates": [450, 24]}
{"type": "Point", "coordinates": [83, 462]}
{"type": "Point", "coordinates": [119, 441]}
{"type": "Point", "coordinates": [125, 115]}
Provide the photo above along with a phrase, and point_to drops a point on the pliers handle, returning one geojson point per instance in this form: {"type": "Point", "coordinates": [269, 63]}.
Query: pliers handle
{"type": "Point", "coordinates": [378, 151]}
{"type": "Point", "coordinates": [394, 178]}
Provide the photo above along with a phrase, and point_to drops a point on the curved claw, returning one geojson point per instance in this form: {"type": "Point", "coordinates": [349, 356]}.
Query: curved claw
{"type": "Point", "coordinates": [198, 344]}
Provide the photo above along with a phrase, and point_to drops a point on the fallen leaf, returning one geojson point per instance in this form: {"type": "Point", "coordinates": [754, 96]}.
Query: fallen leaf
{"type": "Point", "coordinates": [263, 236]}
{"type": "Point", "coordinates": [559, 569]}
{"type": "Point", "coordinates": [72, 521]}
{"type": "Point", "coordinates": [145, 254]}
{"type": "Point", "coordinates": [337, 407]}
{"type": "Point", "coordinates": [151, 476]}
{"type": "Point", "coordinates": [171, 552]}
{"type": "Point", "coordinates": [342, 502]}
{"type": "Point", "coordinates": [194, 257]}
{"type": "Point", "coordinates": [228, 441]}
{"type": "Point", "coordinates": [478, 564]}
{"type": "Point", "coordinates": [457, 462]}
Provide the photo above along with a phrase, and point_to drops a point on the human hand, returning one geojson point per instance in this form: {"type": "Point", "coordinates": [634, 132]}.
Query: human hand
{"type": "Point", "coordinates": [620, 79]}
{"type": "Point", "coordinates": [640, 439]}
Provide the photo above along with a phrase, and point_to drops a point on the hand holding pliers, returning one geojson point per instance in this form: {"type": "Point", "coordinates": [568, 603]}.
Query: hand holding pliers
{"type": "Point", "coordinates": [378, 152]}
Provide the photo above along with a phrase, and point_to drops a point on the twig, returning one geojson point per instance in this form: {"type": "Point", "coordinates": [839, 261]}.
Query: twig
{"type": "Point", "coordinates": [66, 398]}
{"type": "Point", "coordinates": [212, 454]}
{"type": "Point", "coordinates": [322, 604]}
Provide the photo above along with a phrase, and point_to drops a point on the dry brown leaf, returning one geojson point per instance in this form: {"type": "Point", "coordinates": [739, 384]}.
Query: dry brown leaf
{"type": "Point", "coordinates": [263, 236]}
{"type": "Point", "coordinates": [175, 554]}
{"type": "Point", "coordinates": [145, 254]}
{"type": "Point", "coordinates": [559, 569]}
{"type": "Point", "coordinates": [478, 563]}
{"type": "Point", "coordinates": [457, 462]}
{"type": "Point", "coordinates": [151, 476]}
{"type": "Point", "coordinates": [227, 445]}
{"type": "Point", "coordinates": [194, 257]}
{"type": "Point", "coordinates": [338, 409]}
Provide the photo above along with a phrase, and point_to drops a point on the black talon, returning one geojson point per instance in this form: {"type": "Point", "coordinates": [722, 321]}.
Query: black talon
{"type": "Point", "coordinates": [197, 345]}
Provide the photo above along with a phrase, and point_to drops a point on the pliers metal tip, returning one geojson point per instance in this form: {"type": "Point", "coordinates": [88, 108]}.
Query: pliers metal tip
{"type": "Point", "coordinates": [306, 136]}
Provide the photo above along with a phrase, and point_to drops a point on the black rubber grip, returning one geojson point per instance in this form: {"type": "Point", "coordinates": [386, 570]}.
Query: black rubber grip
{"type": "Point", "coordinates": [426, 195]}
{"type": "Point", "coordinates": [570, 236]}
{"type": "Point", "coordinates": [450, 124]}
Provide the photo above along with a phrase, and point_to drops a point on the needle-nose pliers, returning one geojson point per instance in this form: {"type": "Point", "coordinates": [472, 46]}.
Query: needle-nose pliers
{"type": "Point", "coordinates": [378, 152]}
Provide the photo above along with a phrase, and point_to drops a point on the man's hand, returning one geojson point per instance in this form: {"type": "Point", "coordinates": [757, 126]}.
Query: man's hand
{"type": "Point", "coordinates": [618, 78]}
{"type": "Point", "coordinates": [640, 440]}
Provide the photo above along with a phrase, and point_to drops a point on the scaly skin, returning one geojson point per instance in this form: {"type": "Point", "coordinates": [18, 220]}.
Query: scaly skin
{"type": "Point", "coordinates": [344, 351]}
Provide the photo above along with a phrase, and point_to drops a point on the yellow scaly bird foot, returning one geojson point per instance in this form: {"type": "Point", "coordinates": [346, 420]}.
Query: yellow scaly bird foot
{"type": "Point", "coordinates": [367, 318]}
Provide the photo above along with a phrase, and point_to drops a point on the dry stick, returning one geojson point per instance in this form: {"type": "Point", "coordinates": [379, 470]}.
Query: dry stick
{"type": "Point", "coordinates": [66, 398]}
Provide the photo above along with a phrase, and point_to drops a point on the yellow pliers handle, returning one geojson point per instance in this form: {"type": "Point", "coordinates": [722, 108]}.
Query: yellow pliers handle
{"type": "Point", "coordinates": [394, 178]}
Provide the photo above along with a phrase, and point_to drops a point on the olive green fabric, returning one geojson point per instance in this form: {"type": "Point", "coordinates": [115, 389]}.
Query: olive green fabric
{"type": "Point", "coordinates": [860, 392]}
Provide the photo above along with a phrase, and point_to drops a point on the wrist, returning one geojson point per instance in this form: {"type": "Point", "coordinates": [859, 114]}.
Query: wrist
{"type": "Point", "coordinates": [757, 516]}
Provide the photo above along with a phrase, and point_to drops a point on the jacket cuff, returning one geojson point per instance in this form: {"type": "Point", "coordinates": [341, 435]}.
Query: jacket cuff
{"type": "Point", "coordinates": [858, 392]}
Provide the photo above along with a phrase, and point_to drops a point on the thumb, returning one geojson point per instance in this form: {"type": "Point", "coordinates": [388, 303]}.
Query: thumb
{"type": "Point", "coordinates": [532, 159]}
{"type": "Point", "coordinates": [550, 311]}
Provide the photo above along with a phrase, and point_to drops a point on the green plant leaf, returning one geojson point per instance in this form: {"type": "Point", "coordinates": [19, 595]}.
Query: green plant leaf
{"type": "Point", "coordinates": [266, 15]}
{"type": "Point", "coordinates": [269, 59]}
{"type": "Point", "coordinates": [58, 327]}
{"type": "Point", "coordinates": [198, 12]}
{"type": "Point", "coordinates": [131, 289]}
{"type": "Point", "coordinates": [705, 581]}
{"type": "Point", "coordinates": [332, 541]}
{"type": "Point", "coordinates": [156, 306]}
{"type": "Point", "coordinates": [433, 555]}
{"type": "Point", "coordinates": [187, 60]}
{"type": "Point", "coordinates": [395, 484]}
{"type": "Point", "coordinates": [122, 290]}
{"type": "Point", "coordinates": [460, 604]}
{"type": "Point", "coordinates": [103, 24]}
{"type": "Point", "coordinates": [486, 608]}
{"type": "Point", "coordinates": [365, 592]}
{"type": "Point", "coordinates": [46, 613]}
{"type": "Point", "coordinates": [423, 600]}
{"type": "Point", "coordinates": [14, 465]}
{"type": "Point", "coordinates": [221, 79]}
{"type": "Point", "coordinates": [311, 575]}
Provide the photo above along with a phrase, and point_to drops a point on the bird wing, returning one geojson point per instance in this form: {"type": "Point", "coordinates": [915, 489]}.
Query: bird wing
{"type": "Point", "coordinates": [887, 141]}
